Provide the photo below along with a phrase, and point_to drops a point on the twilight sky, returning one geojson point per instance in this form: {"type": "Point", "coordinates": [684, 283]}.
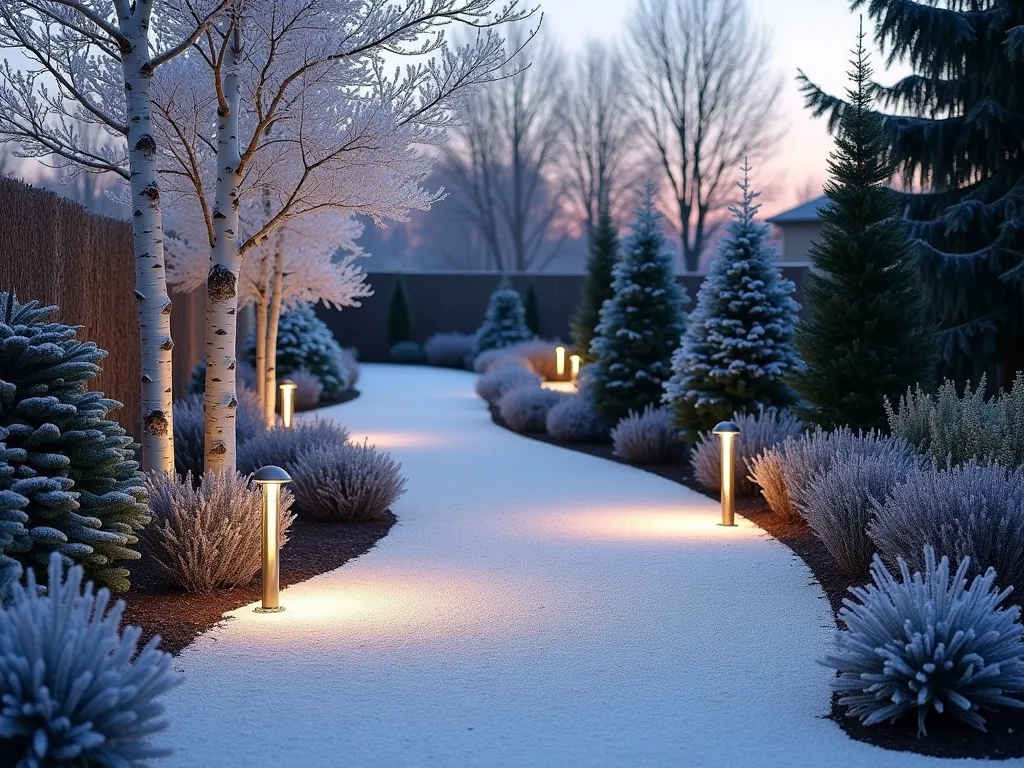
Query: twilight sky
{"type": "Point", "coordinates": [814, 35]}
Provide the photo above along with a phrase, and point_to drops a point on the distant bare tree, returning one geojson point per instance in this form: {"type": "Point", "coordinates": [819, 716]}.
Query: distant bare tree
{"type": "Point", "coordinates": [705, 102]}
{"type": "Point", "coordinates": [504, 155]}
{"type": "Point", "coordinates": [600, 137]}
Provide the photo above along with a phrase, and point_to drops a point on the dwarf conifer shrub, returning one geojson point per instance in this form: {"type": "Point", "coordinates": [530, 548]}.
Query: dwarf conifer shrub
{"type": "Point", "coordinates": [308, 390]}
{"type": "Point", "coordinates": [758, 431]}
{"type": "Point", "coordinates": [504, 322]}
{"type": "Point", "coordinates": [495, 383]}
{"type": "Point", "coordinates": [649, 437]}
{"type": "Point", "coordinates": [925, 643]}
{"type": "Point", "coordinates": [282, 447]}
{"type": "Point", "coordinates": [75, 689]}
{"type": "Point", "coordinates": [305, 341]}
{"type": "Point", "coordinates": [190, 429]}
{"type": "Point", "coordinates": [575, 420]}
{"type": "Point", "coordinates": [208, 534]}
{"type": "Point", "coordinates": [972, 510]}
{"type": "Point", "coordinates": [448, 350]}
{"type": "Point", "coordinates": [839, 505]}
{"type": "Point", "coordinates": [525, 409]}
{"type": "Point", "coordinates": [77, 468]}
{"type": "Point", "coordinates": [346, 483]}
{"type": "Point", "coordinates": [785, 471]}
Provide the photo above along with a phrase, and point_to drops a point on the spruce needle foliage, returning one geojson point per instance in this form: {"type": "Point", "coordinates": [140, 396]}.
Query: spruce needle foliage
{"type": "Point", "coordinates": [597, 284]}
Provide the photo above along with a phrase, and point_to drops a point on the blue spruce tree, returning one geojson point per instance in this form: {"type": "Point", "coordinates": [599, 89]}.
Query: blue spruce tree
{"type": "Point", "coordinates": [738, 345]}
{"type": "Point", "coordinates": [640, 325]}
{"type": "Point", "coordinates": [504, 322]}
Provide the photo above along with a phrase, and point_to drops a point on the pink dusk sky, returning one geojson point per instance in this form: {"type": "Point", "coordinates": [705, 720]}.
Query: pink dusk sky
{"type": "Point", "coordinates": [813, 35]}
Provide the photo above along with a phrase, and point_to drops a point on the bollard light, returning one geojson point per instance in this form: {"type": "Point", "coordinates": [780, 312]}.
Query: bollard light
{"type": "Point", "coordinates": [560, 361]}
{"type": "Point", "coordinates": [288, 388]}
{"type": "Point", "coordinates": [727, 431]}
{"type": "Point", "coordinates": [574, 367]}
{"type": "Point", "coordinates": [271, 479]}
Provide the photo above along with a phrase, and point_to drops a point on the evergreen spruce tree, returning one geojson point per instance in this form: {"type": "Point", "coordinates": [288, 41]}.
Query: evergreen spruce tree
{"type": "Point", "coordinates": [597, 284]}
{"type": "Point", "coordinates": [867, 337]}
{"type": "Point", "coordinates": [957, 126]}
{"type": "Point", "coordinates": [305, 341]}
{"type": "Point", "coordinates": [640, 325]}
{"type": "Point", "coordinates": [738, 344]}
{"type": "Point", "coordinates": [399, 316]}
{"type": "Point", "coordinates": [504, 322]}
{"type": "Point", "coordinates": [531, 310]}
{"type": "Point", "coordinates": [12, 514]}
{"type": "Point", "coordinates": [85, 494]}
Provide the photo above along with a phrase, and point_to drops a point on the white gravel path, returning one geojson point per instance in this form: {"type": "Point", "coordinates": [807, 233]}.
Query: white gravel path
{"type": "Point", "coordinates": [532, 607]}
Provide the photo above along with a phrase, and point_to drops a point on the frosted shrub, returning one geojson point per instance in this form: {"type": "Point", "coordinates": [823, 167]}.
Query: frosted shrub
{"type": "Point", "coordinates": [525, 409]}
{"type": "Point", "coordinates": [448, 350]}
{"type": "Point", "coordinates": [575, 420]}
{"type": "Point", "coordinates": [838, 505]}
{"type": "Point", "coordinates": [407, 352]}
{"type": "Point", "coordinates": [957, 429]}
{"type": "Point", "coordinates": [190, 429]}
{"type": "Point", "coordinates": [74, 688]}
{"type": "Point", "coordinates": [308, 389]}
{"type": "Point", "coordinates": [305, 341]}
{"type": "Point", "coordinates": [785, 471]}
{"type": "Point", "coordinates": [282, 446]}
{"type": "Point", "coordinates": [758, 431]}
{"type": "Point", "coordinates": [649, 437]}
{"type": "Point", "coordinates": [348, 363]}
{"type": "Point", "coordinates": [540, 355]}
{"type": "Point", "coordinates": [492, 385]}
{"type": "Point", "coordinates": [209, 536]}
{"type": "Point", "coordinates": [924, 644]}
{"type": "Point", "coordinates": [487, 361]}
{"type": "Point", "coordinates": [973, 510]}
{"type": "Point", "coordinates": [346, 483]}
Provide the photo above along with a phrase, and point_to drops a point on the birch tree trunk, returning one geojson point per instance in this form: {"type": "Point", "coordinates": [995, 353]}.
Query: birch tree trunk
{"type": "Point", "coordinates": [152, 301]}
{"type": "Point", "coordinates": [273, 320]}
{"type": "Point", "coordinates": [222, 283]}
{"type": "Point", "coordinates": [262, 302]}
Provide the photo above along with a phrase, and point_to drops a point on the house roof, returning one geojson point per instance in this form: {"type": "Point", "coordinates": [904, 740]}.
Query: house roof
{"type": "Point", "coordinates": [803, 214]}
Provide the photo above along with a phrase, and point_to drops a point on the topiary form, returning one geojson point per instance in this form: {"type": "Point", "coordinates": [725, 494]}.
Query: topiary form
{"type": "Point", "coordinates": [86, 497]}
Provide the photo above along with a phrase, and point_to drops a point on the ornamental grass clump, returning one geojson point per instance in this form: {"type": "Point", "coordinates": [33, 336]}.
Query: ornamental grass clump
{"type": "Point", "coordinates": [575, 420]}
{"type": "Point", "coordinates": [346, 483]}
{"type": "Point", "coordinates": [495, 383]}
{"type": "Point", "coordinates": [839, 505]}
{"type": "Point", "coordinates": [956, 429]}
{"type": "Point", "coordinates": [925, 643]}
{"type": "Point", "coordinates": [190, 429]}
{"type": "Point", "coordinates": [525, 409]}
{"type": "Point", "coordinates": [649, 437]}
{"type": "Point", "coordinates": [208, 534]}
{"type": "Point", "coordinates": [308, 389]}
{"type": "Point", "coordinates": [758, 431]}
{"type": "Point", "coordinates": [282, 447]}
{"type": "Point", "coordinates": [785, 471]}
{"type": "Point", "coordinates": [448, 350]}
{"type": "Point", "coordinates": [974, 510]}
{"type": "Point", "coordinates": [74, 688]}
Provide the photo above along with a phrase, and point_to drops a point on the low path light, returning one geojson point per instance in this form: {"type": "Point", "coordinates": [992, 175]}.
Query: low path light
{"type": "Point", "coordinates": [560, 361]}
{"type": "Point", "coordinates": [727, 431]}
{"type": "Point", "coordinates": [574, 367]}
{"type": "Point", "coordinates": [288, 388]}
{"type": "Point", "coordinates": [271, 479]}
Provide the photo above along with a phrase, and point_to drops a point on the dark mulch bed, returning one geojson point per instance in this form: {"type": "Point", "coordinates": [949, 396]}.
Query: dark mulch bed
{"type": "Point", "coordinates": [342, 397]}
{"type": "Point", "coordinates": [1005, 736]}
{"type": "Point", "coordinates": [178, 617]}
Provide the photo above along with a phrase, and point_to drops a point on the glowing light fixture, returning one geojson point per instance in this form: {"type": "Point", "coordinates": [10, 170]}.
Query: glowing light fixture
{"type": "Point", "coordinates": [270, 479]}
{"type": "Point", "coordinates": [574, 367]}
{"type": "Point", "coordinates": [560, 361]}
{"type": "Point", "coordinates": [288, 388]}
{"type": "Point", "coordinates": [726, 431]}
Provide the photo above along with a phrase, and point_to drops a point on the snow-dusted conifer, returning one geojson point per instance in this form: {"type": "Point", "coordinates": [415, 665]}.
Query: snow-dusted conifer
{"type": "Point", "coordinates": [305, 341]}
{"type": "Point", "coordinates": [504, 322]}
{"type": "Point", "coordinates": [738, 345]}
{"type": "Point", "coordinates": [640, 325]}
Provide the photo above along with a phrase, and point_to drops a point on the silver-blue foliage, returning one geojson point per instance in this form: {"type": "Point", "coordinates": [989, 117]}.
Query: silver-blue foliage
{"type": "Point", "coordinates": [648, 437]}
{"type": "Point", "coordinates": [282, 446]}
{"type": "Point", "coordinates": [924, 643]}
{"type": "Point", "coordinates": [74, 688]}
{"type": "Point", "coordinates": [525, 409]}
{"type": "Point", "coordinates": [496, 382]}
{"type": "Point", "coordinates": [575, 420]}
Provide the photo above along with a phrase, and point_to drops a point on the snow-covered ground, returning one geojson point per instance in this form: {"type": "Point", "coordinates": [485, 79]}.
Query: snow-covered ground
{"type": "Point", "coordinates": [532, 607]}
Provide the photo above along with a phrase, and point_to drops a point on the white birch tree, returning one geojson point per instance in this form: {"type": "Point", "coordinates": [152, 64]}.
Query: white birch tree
{"type": "Point", "coordinates": [92, 62]}
{"type": "Point", "coordinates": [300, 88]}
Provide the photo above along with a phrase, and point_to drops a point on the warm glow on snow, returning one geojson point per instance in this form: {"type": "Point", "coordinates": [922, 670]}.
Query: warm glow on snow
{"type": "Point", "coordinates": [626, 524]}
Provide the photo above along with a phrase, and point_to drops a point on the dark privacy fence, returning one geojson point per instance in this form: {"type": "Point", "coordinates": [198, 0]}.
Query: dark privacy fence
{"type": "Point", "coordinates": [449, 301]}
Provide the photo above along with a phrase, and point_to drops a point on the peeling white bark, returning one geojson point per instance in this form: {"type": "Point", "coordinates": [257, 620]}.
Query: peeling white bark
{"type": "Point", "coordinates": [152, 302]}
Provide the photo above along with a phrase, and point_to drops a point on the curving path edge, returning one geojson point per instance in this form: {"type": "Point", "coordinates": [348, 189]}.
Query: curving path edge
{"type": "Point", "coordinates": [533, 606]}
